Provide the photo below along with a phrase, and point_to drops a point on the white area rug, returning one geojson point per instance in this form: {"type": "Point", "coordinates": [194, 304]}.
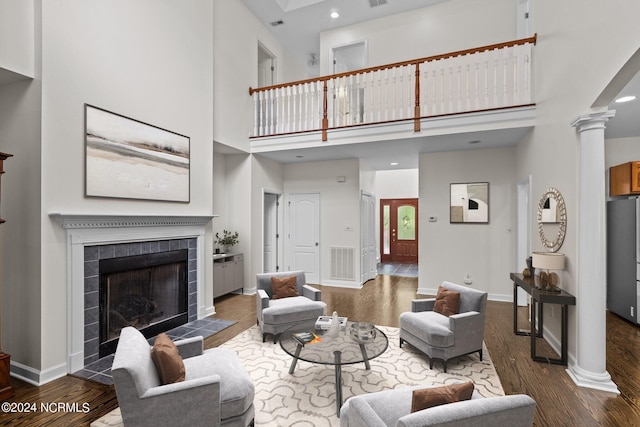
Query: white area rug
{"type": "Point", "coordinates": [307, 398]}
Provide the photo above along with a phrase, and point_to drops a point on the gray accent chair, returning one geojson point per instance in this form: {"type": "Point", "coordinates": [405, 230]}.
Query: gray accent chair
{"type": "Point", "coordinates": [392, 408]}
{"type": "Point", "coordinates": [277, 315]}
{"type": "Point", "coordinates": [217, 390]}
{"type": "Point", "coordinates": [441, 337]}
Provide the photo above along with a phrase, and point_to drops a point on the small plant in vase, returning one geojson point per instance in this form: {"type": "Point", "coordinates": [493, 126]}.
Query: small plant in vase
{"type": "Point", "coordinates": [227, 240]}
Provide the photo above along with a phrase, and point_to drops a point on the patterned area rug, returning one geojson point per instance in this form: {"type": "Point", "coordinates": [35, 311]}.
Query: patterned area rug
{"type": "Point", "coordinates": [307, 398]}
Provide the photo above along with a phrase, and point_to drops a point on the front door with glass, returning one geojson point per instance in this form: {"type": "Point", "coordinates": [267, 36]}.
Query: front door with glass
{"type": "Point", "coordinates": [399, 230]}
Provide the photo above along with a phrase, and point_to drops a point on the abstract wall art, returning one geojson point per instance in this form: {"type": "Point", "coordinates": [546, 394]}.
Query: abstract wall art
{"type": "Point", "coordinates": [126, 158]}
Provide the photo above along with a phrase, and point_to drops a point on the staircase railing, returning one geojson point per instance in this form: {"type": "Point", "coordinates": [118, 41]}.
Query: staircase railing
{"type": "Point", "coordinates": [484, 78]}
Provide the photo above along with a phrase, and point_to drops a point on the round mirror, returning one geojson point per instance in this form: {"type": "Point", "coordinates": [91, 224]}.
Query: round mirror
{"type": "Point", "coordinates": [552, 219]}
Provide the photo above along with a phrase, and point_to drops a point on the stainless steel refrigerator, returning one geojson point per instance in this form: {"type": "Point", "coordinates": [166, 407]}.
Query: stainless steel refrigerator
{"type": "Point", "coordinates": [623, 257]}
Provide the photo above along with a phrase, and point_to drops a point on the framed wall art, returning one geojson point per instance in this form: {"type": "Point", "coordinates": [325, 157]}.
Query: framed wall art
{"type": "Point", "coordinates": [469, 203]}
{"type": "Point", "coordinates": [126, 158]}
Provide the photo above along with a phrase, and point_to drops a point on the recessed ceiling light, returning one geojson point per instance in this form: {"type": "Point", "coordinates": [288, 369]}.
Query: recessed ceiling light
{"type": "Point", "coordinates": [394, 163]}
{"type": "Point", "coordinates": [334, 15]}
{"type": "Point", "coordinates": [625, 99]}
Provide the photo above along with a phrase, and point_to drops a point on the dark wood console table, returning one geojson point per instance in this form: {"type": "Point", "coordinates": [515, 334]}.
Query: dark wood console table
{"type": "Point", "coordinates": [539, 298]}
{"type": "Point", "coordinates": [6, 391]}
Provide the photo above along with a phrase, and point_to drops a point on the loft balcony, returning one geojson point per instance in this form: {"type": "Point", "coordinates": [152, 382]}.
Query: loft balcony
{"type": "Point", "coordinates": [486, 88]}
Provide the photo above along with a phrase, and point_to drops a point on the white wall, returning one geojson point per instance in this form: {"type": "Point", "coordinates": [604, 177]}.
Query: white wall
{"type": "Point", "coordinates": [566, 85]}
{"type": "Point", "coordinates": [339, 205]}
{"type": "Point", "coordinates": [20, 235]}
{"type": "Point", "coordinates": [441, 28]}
{"type": "Point", "coordinates": [149, 60]}
{"type": "Point", "coordinates": [484, 251]}
{"type": "Point", "coordinates": [236, 35]}
{"type": "Point", "coordinates": [17, 36]}
{"type": "Point", "coordinates": [266, 176]}
{"type": "Point", "coordinates": [397, 184]}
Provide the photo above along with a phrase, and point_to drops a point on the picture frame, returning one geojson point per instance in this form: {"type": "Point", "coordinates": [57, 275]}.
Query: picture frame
{"type": "Point", "coordinates": [129, 159]}
{"type": "Point", "coordinates": [469, 203]}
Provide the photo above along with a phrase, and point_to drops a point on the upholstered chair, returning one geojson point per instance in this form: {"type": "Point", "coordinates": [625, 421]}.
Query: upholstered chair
{"type": "Point", "coordinates": [444, 337]}
{"type": "Point", "coordinates": [277, 315]}
{"type": "Point", "coordinates": [392, 408]}
{"type": "Point", "coordinates": [216, 390]}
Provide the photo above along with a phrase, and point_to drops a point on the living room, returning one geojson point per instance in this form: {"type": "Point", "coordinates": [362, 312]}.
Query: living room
{"type": "Point", "coordinates": [187, 68]}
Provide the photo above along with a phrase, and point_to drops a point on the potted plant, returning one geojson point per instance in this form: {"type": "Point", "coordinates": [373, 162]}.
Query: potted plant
{"type": "Point", "coordinates": [227, 240]}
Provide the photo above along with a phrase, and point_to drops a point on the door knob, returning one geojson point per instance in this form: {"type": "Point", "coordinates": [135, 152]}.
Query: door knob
{"type": "Point", "coordinates": [317, 244]}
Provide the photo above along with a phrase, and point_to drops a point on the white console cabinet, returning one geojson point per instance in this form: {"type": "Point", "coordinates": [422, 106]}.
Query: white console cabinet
{"type": "Point", "coordinates": [228, 273]}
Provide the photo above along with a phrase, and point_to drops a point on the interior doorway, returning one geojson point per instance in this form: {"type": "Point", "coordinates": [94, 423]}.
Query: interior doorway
{"type": "Point", "coordinates": [271, 229]}
{"type": "Point", "coordinates": [266, 67]}
{"type": "Point", "coordinates": [349, 57]}
{"type": "Point", "coordinates": [399, 230]}
{"type": "Point", "coordinates": [368, 245]}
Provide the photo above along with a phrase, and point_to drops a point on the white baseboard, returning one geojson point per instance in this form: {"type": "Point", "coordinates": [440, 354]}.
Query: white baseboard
{"type": "Point", "coordinates": [35, 376]}
{"type": "Point", "coordinates": [341, 284]}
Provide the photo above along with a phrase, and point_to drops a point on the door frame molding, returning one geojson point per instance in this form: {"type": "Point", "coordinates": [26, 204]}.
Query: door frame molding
{"type": "Point", "coordinates": [279, 224]}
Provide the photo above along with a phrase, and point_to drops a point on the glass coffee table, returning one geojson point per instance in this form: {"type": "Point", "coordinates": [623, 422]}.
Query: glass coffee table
{"type": "Point", "coordinates": [342, 349]}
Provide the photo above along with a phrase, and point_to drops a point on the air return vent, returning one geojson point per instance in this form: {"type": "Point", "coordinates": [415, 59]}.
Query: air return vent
{"type": "Point", "coordinates": [342, 263]}
{"type": "Point", "coordinates": [375, 3]}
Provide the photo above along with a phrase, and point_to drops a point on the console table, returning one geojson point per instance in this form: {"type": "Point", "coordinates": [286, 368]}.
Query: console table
{"type": "Point", "coordinates": [539, 298]}
{"type": "Point", "coordinates": [228, 273]}
{"type": "Point", "coordinates": [6, 391]}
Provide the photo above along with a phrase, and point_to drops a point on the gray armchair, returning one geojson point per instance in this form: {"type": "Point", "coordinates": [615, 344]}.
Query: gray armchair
{"type": "Point", "coordinates": [277, 315]}
{"type": "Point", "coordinates": [217, 390]}
{"type": "Point", "coordinates": [441, 337]}
{"type": "Point", "coordinates": [392, 408]}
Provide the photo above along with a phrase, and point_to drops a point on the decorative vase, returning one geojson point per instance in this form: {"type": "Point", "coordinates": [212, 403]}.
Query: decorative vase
{"type": "Point", "coordinates": [532, 270]}
{"type": "Point", "coordinates": [334, 329]}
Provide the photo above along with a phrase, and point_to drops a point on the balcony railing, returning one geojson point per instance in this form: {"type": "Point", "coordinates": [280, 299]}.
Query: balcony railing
{"type": "Point", "coordinates": [480, 79]}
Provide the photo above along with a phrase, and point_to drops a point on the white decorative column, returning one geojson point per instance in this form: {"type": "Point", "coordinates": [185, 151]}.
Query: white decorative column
{"type": "Point", "coordinates": [590, 369]}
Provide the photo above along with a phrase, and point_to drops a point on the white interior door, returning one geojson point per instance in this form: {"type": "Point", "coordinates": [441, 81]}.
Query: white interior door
{"type": "Point", "coordinates": [368, 237]}
{"type": "Point", "coordinates": [271, 233]}
{"type": "Point", "coordinates": [304, 235]}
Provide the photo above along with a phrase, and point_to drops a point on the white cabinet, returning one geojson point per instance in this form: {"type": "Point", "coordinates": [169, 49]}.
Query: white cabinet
{"type": "Point", "coordinates": [228, 273]}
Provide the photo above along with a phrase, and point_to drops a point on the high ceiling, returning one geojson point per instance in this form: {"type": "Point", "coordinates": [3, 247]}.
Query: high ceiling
{"type": "Point", "coordinates": [304, 20]}
{"type": "Point", "coordinates": [299, 32]}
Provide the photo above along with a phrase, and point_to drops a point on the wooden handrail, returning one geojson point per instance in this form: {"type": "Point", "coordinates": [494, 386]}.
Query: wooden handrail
{"type": "Point", "coordinates": [517, 42]}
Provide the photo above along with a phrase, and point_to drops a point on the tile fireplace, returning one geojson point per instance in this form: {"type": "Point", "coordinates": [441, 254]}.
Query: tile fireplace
{"type": "Point", "coordinates": [152, 268]}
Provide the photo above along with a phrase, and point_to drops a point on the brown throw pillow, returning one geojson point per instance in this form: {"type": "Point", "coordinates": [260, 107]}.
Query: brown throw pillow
{"type": "Point", "coordinates": [168, 361]}
{"type": "Point", "coordinates": [429, 397]}
{"type": "Point", "coordinates": [284, 287]}
{"type": "Point", "coordinates": [447, 302]}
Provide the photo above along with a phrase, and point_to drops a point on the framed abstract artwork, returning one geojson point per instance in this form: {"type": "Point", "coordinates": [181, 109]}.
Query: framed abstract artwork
{"type": "Point", "coordinates": [126, 158]}
{"type": "Point", "coordinates": [469, 203]}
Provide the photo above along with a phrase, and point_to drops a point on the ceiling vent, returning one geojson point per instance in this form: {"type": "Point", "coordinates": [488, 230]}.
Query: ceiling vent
{"type": "Point", "coordinates": [375, 3]}
{"type": "Point", "coordinates": [280, 22]}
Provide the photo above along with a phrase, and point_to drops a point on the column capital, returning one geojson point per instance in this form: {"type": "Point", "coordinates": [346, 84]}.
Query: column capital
{"type": "Point", "coordinates": [592, 120]}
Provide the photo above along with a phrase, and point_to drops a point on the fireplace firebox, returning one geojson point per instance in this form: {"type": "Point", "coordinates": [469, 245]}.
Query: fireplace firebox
{"type": "Point", "coordinates": [148, 292]}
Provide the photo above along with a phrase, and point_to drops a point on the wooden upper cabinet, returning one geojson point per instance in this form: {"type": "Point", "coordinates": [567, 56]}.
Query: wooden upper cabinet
{"type": "Point", "coordinates": [624, 179]}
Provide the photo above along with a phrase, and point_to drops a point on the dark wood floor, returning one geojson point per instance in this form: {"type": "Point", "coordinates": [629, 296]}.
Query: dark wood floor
{"type": "Point", "coordinates": [559, 401]}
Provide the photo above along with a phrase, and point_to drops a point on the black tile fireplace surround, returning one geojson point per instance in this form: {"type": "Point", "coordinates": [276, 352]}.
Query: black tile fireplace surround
{"type": "Point", "coordinates": [163, 251]}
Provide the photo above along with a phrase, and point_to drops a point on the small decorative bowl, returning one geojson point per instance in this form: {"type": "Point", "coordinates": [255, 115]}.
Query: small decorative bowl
{"type": "Point", "coordinates": [362, 332]}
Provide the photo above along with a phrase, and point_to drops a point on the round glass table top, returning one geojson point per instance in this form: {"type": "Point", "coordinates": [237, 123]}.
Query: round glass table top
{"type": "Point", "coordinates": [323, 349]}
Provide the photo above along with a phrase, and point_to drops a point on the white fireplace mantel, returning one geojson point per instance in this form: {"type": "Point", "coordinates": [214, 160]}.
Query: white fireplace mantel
{"type": "Point", "coordinates": [89, 229]}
